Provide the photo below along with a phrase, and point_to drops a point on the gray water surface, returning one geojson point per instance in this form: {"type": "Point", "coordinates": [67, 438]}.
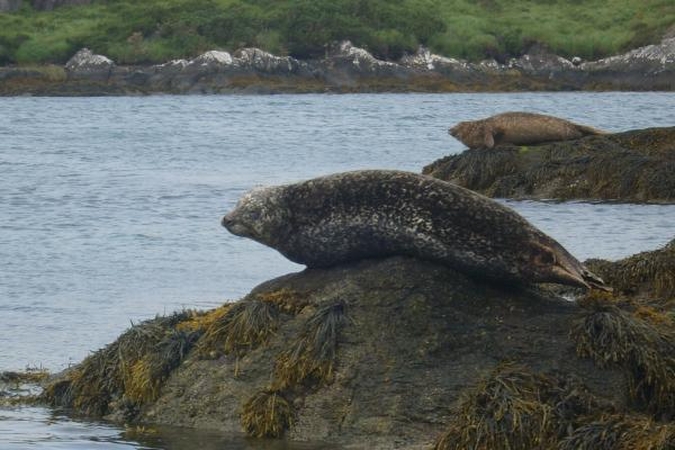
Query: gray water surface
{"type": "Point", "coordinates": [111, 206]}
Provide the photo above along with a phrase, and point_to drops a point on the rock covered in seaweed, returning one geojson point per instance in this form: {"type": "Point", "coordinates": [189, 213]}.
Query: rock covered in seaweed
{"type": "Point", "coordinates": [376, 354]}
{"type": "Point", "coordinates": [632, 166]}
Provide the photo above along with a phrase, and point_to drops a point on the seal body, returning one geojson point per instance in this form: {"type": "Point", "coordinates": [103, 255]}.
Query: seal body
{"type": "Point", "coordinates": [376, 213]}
{"type": "Point", "coordinates": [519, 128]}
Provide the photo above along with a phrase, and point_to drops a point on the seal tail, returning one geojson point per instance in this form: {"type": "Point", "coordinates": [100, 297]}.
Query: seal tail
{"type": "Point", "coordinates": [589, 131]}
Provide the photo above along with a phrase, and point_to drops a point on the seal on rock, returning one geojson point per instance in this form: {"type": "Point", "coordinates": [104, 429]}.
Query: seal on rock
{"type": "Point", "coordinates": [377, 213]}
{"type": "Point", "coordinates": [519, 128]}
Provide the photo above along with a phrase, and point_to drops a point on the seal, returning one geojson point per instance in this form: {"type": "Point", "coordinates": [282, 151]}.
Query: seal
{"type": "Point", "coordinates": [519, 128]}
{"type": "Point", "coordinates": [378, 213]}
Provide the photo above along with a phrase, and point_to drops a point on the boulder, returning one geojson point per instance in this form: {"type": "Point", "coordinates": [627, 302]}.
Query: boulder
{"type": "Point", "coordinates": [86, 64]}
{"type": "Point", "coordinates": [261, 61]}
{"type": "Point", "coordinates": [632, 166]}
{"type": "Point", "coordinates": [378, 354]}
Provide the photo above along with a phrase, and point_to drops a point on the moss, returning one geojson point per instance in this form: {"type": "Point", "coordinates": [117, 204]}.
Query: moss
{"type": "Point", "coordinates": [621, 432]}
{"type": "Point", "coordinates": [244, 326]}
{"type": "Point", "coordinates": [610, 335]}
{"type": "Point", "coordinates": [266, 414]}
{"type": "Point", "coordinates": [312, 355]}
{"type": "Point", "coordinates": [514, 408]}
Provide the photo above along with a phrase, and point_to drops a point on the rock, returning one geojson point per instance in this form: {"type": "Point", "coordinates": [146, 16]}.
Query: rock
{"type": "Point", "coordinates": [651, 59]}
{"type": "Point", "coordinates": [647, 275]}
{"type": "Point", "coordinates": [261, 61]}
{"type": "Point", "coordinates": [375, 354]}
{"type": "Point", "coordinates": [10, 5]}
{"type": "Point", "coordinates": [48, 5]}
{"type": "Point", "coordinates": [85, 64]}
{"type": "Point", "coordinates": [539, 61]}
{"type": "Point", "coordinates": [633, 166]}
{"type": "Point", "coordinates": [210, 59]}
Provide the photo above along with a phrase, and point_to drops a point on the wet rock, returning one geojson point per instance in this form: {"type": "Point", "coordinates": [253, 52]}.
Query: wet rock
{"type": "Point", "coordinates": [633, 166]}
{"type": "Point", "coordinates": [86, 64]}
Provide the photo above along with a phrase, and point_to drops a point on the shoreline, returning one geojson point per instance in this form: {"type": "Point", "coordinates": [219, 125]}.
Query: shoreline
{"type": "Point", "coordinates": [347, 69]}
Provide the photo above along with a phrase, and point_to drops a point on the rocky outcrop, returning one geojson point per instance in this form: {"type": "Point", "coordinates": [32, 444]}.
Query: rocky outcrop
{"type": "Point", "coordinates": [382, 354]}
{"type": "Point", "coordinates": [86, 65]}
{"type": "Point", "coordinates": [347, 68]}
{"type": "Point", "coordinates": [633, 166]}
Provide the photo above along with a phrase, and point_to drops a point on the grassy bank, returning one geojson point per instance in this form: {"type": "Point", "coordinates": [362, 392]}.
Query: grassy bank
{"type": "Point", "coordinates": [159, 30]}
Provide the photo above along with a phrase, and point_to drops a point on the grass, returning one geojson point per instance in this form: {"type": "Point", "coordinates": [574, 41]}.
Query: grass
{"type": "Point", "coordinates": [155, 31]}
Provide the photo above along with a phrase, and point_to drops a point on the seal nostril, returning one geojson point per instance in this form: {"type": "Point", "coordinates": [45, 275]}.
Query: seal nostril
{"type": "Point", "coordinates": [225, 221]}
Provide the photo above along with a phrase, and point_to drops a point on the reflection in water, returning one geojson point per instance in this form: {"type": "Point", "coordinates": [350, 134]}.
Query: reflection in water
{"type": "Point", "coordinates": [40, 428]}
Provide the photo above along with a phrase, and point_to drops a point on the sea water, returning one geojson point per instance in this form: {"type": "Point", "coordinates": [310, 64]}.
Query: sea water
{"type": "Point", "coordinates": [110, 209]}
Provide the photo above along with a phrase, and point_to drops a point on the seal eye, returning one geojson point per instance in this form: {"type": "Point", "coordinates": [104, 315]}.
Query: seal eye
{"type": "Point", "coordinates": [545, 257]}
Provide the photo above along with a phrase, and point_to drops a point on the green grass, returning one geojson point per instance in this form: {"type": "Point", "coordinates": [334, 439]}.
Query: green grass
{"type": "Point", "coordinates": [157, 30]}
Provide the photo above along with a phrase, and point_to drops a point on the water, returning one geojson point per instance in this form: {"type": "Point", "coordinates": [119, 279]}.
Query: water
{"type": "Point", "coordinates": [111, 206]}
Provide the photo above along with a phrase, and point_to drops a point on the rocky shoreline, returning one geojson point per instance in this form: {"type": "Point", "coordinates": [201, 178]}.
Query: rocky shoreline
{"type": "Point", "coordinates": [345, 68]}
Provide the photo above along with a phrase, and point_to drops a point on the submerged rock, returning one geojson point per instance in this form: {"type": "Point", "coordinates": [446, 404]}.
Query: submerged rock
{"type": "Point", "coordinates": [633, 166]}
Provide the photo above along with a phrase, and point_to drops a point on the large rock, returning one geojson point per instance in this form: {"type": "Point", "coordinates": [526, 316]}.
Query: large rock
{"type": "Point", "coordinates": [376, 354]}
{"type": "Point", "coordinates": [86, 64]}
{"type": "Point", "coordinates": [633, 166]}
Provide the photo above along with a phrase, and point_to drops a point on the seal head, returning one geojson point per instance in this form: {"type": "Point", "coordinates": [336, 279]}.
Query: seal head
{"type": "Point", "coordinates": [378, 213]}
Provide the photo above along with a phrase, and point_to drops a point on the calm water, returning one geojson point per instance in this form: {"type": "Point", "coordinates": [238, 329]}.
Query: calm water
{"type": "Point", "coordinates": [111, 207]}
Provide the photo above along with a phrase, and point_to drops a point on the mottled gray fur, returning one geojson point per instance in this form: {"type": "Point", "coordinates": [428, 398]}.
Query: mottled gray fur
{"type": "Point", "coordinates": [376, 213]}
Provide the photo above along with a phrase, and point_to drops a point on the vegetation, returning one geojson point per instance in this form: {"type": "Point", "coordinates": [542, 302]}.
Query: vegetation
{"type": "Point", "coordinates": [159, 30]}
{"type": "Point", "coordinates": [516, 408]}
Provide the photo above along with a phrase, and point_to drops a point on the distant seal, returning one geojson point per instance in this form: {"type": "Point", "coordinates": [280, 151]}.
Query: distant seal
{"type": "Point", "coordinates": [378, 213]}
{"type": "Point", "coordinates": [519, 128]}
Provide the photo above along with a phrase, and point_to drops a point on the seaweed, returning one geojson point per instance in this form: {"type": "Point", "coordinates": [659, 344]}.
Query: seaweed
{"type": "Point", "coordinates": [514, 408]}
{"type": "Point", "coordinates": [244, 326]}
{"type": "Point", "coordinates": [266, 414]}
{"type": "Point", "coordinates": [609, 335]}
{"type": "Point", "coordinates": [286, 300]}
{"type": "Point", "coordinates": [621, 432]}
{"type": "Point", "coordinates": [133, 368]}
{"type": "Point", "coordinates": [312, 355]}
{"type": "Point", "coordinates": [652, 271]}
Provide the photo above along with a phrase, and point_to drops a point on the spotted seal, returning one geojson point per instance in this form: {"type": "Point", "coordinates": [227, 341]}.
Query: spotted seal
{"type": "Point", "coordinates": [377, 213]}
{"type": "Point", "coordinates": [519, 128]}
